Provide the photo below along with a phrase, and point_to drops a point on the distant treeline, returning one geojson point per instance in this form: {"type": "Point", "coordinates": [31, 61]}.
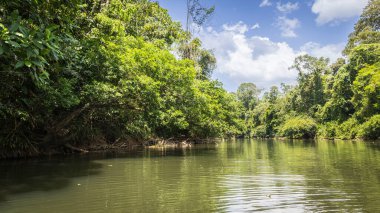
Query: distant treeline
{"type": "Point", "coordinates": [330, 100]}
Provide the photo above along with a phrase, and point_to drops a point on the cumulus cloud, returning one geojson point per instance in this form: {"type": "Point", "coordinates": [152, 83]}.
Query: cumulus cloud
{"type": "Point", "coordinates": [288, 26]}
{"type": "Point", "coordinates": [334, 11]}
{"type": "Point", "coordinates": [265, 3]}
{"type": "Point", "coordinates": [332, 51]}
{"type": "Point", "coordinates": [288, 7]}
{"type": "Point", "coordinates": [241, 58]}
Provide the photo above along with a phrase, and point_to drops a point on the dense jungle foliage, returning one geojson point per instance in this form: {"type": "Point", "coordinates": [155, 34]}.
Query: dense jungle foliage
{"type": "Point", "coordinates": [79, 70]}
{"type": "Point", "coordinates": [330, 100]}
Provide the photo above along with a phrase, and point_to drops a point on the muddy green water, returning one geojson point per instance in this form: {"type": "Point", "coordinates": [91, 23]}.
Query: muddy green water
{"type": "Point", "coordinates": [240, 176]}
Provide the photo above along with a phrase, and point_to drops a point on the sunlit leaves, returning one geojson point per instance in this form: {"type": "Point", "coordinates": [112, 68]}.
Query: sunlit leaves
{"type": "Point", "coordinates": [366, 88]}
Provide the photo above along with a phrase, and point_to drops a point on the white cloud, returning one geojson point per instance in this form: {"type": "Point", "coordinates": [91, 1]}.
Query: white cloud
{"type": "Point", "coordinates": [242, 58]}
{"type": "Point", "coordinates": [239, 27]}
{"type": "Point", "coordinates": [287, 8]}
{"type": "Point", "coordinates": [265, 3]}
{"type": "Point", "coordinates": [288, 26]}
{"type": "Point", "coordinates": [332, 51]}
{"type": "Point", "coordinates": [334, 11]}
{"type": "Point", "coordinates": [255, 26]}
{"type": "Point", "coordinates": [249, 59]}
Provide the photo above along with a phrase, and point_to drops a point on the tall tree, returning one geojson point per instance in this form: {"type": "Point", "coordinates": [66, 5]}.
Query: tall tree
{"type": "Point", "coordinates": [191, 48]}
{"type": "Point", "coordinates": [248, 94]}
{"type": "Point", "coordinates": [367, 28]}
{"type": "Point", "coordinates": [196, 13]}
{"type": "Point", "coordinates": [310, 83]}
{"type": "Point", "coordinates": [205, 61]}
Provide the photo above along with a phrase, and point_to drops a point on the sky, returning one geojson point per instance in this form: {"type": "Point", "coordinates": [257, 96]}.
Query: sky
{"type": "Point", "coordinates": [257, 40]}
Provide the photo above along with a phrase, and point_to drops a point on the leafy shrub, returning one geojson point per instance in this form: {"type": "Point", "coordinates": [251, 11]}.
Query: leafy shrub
{"type": "Point", "coordinates": [328, 130]}
{"type": "Point", "coordinates": [260, 131]}
{"type": "Point", "coordinates": [348, 129]}
{"type": "Point", "coordinates": [371, 128]}
{"type": "Point", "coordinates": [299, 127]}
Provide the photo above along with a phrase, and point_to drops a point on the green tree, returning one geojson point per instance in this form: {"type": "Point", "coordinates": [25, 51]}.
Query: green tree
{"type": "Point", "coordinates": [248, 94]}
{"type": "Point", "coordinates": [310, 89]}
{"type": "Point", "coordinates": [367, 28]}
{"type": "Point", "coordinates": [366, 89]}
{"type": "Point", "coordinates": [205, 61]}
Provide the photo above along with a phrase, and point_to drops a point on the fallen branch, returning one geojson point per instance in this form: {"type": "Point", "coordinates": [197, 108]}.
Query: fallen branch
{"type": "Point", "coordinates": [75, 148]}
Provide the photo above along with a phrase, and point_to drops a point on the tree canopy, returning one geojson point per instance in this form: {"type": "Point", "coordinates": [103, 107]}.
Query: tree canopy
{"type": "Point", "coordinates": [79, 70]}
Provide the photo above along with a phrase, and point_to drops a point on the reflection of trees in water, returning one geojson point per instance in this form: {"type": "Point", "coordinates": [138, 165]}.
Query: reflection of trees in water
{"type": "Point", "coordinates": [340, 175]}
{"type": "Point", "coordinates": [255, 175]}
{"type": "Point", "coordinates": [22, 176]}
{"type": "Point", "coordinates": [175, 180]}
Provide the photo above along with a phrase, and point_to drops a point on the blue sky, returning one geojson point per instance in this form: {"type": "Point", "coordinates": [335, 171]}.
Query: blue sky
{"type": "Point", "coordinates": [257, 40]}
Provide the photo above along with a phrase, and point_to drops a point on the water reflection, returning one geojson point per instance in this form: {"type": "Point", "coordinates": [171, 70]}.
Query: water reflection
{"type": "Point", "coordinates": [235, 176]}
{"type": "Point", "coordinates": [264, 192]}
{"type": "Point", "coordinates": [20, 176]}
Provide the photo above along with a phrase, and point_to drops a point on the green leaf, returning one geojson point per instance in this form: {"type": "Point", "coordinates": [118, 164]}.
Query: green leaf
{"type": "Point", "coordinates": [53, 27]}
{"type": "Point", "coordinates": [14, 27]}
{"type": "Point", "coordinates": [55, 55]}
{"type": "Point", "coordinates": [48, 33]}
{"type": "Point", "coordinates": [37, 63]}
{"type": "Point", "coordinates": [19, 35]}
{"type": "Point", "coordinates": [19, 64]}
{"type": "Point", "coordinates": [13, 43]}
{"type": "Point", "coordinates": [28, 63]}
{"type": "Point", "coordinates": [1, 50]}
{"type": "Point", "coordinates": [29, 53]}
{"type": "Point", "coordinates": [38, 44]}
{"type": "Point", "coordinates": [45, 74]}
{"type": "Point", "coordinates": [36, 51]}
{"type": "Point", "coordinates": [23, 31]}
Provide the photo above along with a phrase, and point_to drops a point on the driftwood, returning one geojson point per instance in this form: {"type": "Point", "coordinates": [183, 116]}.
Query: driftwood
{"type": "Point", "coordinates": [62, 124]}
{"type": "Point", "coordinates": [67, 145]}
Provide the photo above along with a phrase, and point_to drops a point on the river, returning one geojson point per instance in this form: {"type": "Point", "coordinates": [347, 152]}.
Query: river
{"type": "Point", "coordinates": [230, 176]}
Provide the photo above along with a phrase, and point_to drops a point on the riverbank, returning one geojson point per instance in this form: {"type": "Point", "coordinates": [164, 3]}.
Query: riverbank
{"type": "Point", "coordinates": [101, 145]}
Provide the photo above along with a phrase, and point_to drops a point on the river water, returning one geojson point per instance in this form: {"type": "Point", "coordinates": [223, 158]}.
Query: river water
{"type": "Point", "coordinates": [233, 176]}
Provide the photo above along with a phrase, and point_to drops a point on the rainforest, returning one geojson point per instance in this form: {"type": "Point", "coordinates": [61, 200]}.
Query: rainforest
{"type": "Point", "coordinates": [76, 73]}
